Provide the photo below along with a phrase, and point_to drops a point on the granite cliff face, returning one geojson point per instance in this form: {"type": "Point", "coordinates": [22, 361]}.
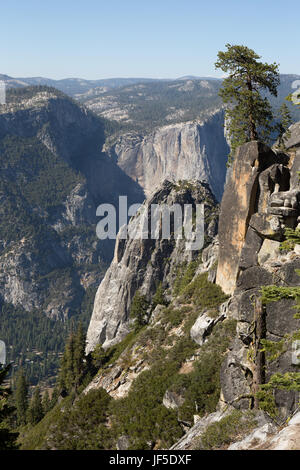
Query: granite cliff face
{"type": "Point", "coordinates": [264, 190]}
{"type": "Point", "coordinates": [183, 151]}
{"type": "Point", "coordinates": [255, 172]}
{"type": "Point", "coordinates": [194, 365]}
{"type": "Point", "coordinates": [142, 264]}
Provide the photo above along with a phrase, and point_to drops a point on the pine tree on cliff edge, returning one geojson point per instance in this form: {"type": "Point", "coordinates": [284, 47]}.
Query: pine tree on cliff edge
{"type": "Point", "coordinates": [249, 115]}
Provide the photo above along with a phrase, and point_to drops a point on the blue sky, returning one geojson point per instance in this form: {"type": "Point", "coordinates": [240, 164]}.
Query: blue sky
{"type": "Point", "coordinates": [161, 39]}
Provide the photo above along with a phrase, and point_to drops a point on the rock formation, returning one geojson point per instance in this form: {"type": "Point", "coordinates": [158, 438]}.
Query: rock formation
{"type": "Point", "coordinates": [142, 264]}
{"type": "Point", "coordinates": [183, 151]}
{"type": "Point", "coordinates": [264, 191]}
{"type": "Point", "coordinates": [257, 172]}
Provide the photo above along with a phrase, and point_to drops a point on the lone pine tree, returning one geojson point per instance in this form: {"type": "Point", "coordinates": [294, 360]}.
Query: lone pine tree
{"type": "Point", "coordinates": [21, 398]}
{"type": "Point", "coordinates": [72, 364]}
{"type": "Point", "coordinates": [35, 410]}
{"type": "Point", "coordinates": [249, 115]}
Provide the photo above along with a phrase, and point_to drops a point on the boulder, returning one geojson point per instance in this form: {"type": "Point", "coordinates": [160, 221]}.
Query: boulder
{"type": "Point", "coordinates": [280, 317]}
{"type": "Point", "coordinates": [123, 443]}
{"type": "Point", "coordinates": [233, 375]}
{"type": "Point", "coordinates": [288, 273]}
{"type": "Point", "coordinates": [285, 204]}
{"type": "Point", "coordinates": [195, 432]}
{"type": "Point", "coordinates": [255, 438]}
{"type": "Point", "coordinates": [250, 249]}
{"type": "Point", "coordinates": [173, 400]}
{"type": "Point", "coordinates": [269, 251]}
{"type": "Point", "coordinates": [268, 226]}
{"type": "Point", "coordinates": [243, 304]}
{"type": "Point", "coordinates": [273, 179]}
{"type": "Point", "coordinates": [255, 276]}
{"type": "Point", "coordinates": [203, 327]}
{"type": "Point", "coordinates": [294, 138]}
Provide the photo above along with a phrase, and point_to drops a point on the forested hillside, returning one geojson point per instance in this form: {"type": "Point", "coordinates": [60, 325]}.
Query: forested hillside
{"type": "Point", "coordinates": [53, 175]}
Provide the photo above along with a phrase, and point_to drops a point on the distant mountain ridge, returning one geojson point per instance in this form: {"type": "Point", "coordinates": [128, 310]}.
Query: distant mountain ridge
{"type": "Point", "coordinates": [75, 85]}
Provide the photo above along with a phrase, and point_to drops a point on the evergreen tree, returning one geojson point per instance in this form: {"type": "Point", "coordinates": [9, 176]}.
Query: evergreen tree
{"type": "Point", "coordinates": [98, 356]}
{"type": "Point", "coordinates": [54, 397]}
{"type": "Point", "coordinates": [248, 115]}
{"type": "Point", "coordinates": [7, 438]}
{"type": "Point", "coordinates": [159, 298]}
{"type": "Point", "coordinates": [21, 398]}
{"type": "Point", "coordinates": [79, 354]}
{"type": "Point", "coordinates": [66, 376]}
{"type": "Point", "coordinates": [46, 403]}
{"type": "Point", "coordinates": [139, 307]}
{"type": "Point", "coordinates": [35, 410]}
{"type": "Point", "coordinates": [72, 364]}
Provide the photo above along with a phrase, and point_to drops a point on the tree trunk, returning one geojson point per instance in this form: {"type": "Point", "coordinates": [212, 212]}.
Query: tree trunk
{"type": "Point", "coordinates": [253, 133]}
{"type": "Point", "coordinates": [252, 125]}
{"type": "Point", "coordinates": [259, 356]}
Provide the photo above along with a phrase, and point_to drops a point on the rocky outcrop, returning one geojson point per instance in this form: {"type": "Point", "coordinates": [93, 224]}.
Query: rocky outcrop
{"type": "Point", "coordinates": [204, 325]}
{"type": "Point", "coordinates": [270, 437]}
{"type": "Point", "coordinates": [245, 192]}
{"type": "Point", "coordinates": [142, 263]}
{"type": "Point", "coordinates": [183, 151]}
{"type": "Point", "coordinates": [172, 400]}
{"type": "Point", "coordinates": [266, 435]}
{"type": "Point", "coordinates": [265, 195]}
{"type": "Point", "coordinates": [192, 439]}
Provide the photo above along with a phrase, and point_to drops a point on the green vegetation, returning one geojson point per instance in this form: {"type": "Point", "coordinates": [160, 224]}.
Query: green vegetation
{"type": "Point", "coordinates": [138, 310]}
{"type": "Point", "coordinates": [72, 363]}
{"type": "Point", "coordinates": [80, 425]}
{"type": "Point", "coordinates": [232, 427]}
{"type": "Point", "coordinates": [159, 297]}
{"type": "Point", "coordinates": [46, 402]}
{"type": "Point", "coordinates": [141, 415]}
{"type": "Point", "coordinates": [274, 349]}
{"type": "Point", "coordinates": [275, 293]}
{"type": "Point", "coordinates": [201, 387]}
{"type": "Point", "coordinates": [203, 293]}
{"type": "Point", "coordinates": [249, 114]}
{"type": "Point", "coordinates": [37, 176]}
{"type": "Point", "coordinates": [153, 104]}
{"type": "Point", "coordinates": [286, 381]}
{"type": "Point", "coordinates": [43, 179]}
{"type": "Point", "coordinates": [185, 274]}
{"type": "Point", "coordinates": [113, 353]}
{"type": "Point", "coordinates": [29, 412]}
{"type": "Point", "coordinates": [35, 410]}
{"type": "Point", "coordinates": [292, 238]}
{"type": "Point", "coordinates": [13, 95]}
{"type": "Point", "coordinates": [21, 398]}
{"type": "Point", "coordinates": [7, 436]}
{"type": "Point", "coordinates": [34, 342]}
